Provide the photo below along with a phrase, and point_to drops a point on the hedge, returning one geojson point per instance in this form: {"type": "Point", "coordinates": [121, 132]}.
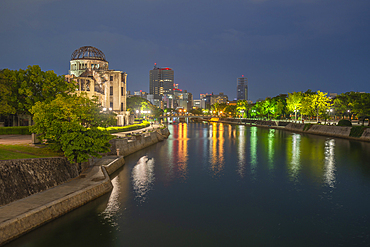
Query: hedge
{"type": "Point", "coordinates": [113, 130]}
{"type": "Point", "coordinates": [356, 131]}
{"type": "Point", "coordinates": [344, 122]}
{"type": "Point", "coordinates": [17, 130]}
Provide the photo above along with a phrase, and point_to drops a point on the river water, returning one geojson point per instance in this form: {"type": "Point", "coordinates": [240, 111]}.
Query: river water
{"type": "Point", "coordinates": [222, 185]}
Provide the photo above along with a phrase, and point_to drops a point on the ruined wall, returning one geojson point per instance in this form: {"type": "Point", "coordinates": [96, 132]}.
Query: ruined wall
{"type": "Point", "coordinates": [24, 177]}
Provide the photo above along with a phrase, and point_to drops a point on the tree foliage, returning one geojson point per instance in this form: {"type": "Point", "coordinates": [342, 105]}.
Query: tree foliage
{"type": "Point", "coordinates": [294, 102]}
{"type": "Point", "coordinates": [70, 124]}
{"type": "Point", "coordinates": [26, 87]}
{"type": "Point", "coordinates": [315, 104]}
{"type": "Point", "coordinates": [138, 103]}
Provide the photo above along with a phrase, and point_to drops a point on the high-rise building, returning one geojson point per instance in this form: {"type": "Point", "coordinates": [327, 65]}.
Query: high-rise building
{"type": "Point", "coordinates": [242, 88]}
{"type": "Point", "coordinates": [161, 82]}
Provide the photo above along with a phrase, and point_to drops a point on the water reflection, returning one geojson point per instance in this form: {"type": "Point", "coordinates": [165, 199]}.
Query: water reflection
{"type": "Point", "coordinates": [253, 148]}
{"type": "Point", "coordinates": [294, 154]}
{"type": "Point", "coordinates": [216, 152]}
{"type": "Point", "coordinates": [271, 148]}
{"type": "Point", "coordinates": [241, 151]}
{"type": "Point", "coordinates": [114, 204]}
{"type": "Point", "coordinates": [143, 178]}
{"type": "Point", "coordinates": [329, 169]}
{"type": "Point", "coordinates": [182, 150]}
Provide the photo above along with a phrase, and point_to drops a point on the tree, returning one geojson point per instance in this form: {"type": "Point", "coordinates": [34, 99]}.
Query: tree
{"type": "Point", "coordinates": [5, 96]}
{"type": "Point", "coordinates": [315, 104]}
{"type": "Point", "coordinates": [280, 106]}
{"type": "Point", "coordinates": [361, 107]}
{"type": "Point", "coordinates": [70, 124]}
{"type": "Point", "coordinates": [26, 87]}
{"type": "Point", "coordinates": [294, 102]}
{"type": "Point", "coordinates": [242, 107]}
{"type": "Point", "coordinates": [268, 106]}
{"type": "Point", "coordinates": [344, 103]}
{"type": "Point", "coordinates": [137, 103]}
{"type": "Point", "coordinates": [231, 110]}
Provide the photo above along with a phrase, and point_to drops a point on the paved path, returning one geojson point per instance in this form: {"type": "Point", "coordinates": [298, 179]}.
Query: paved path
{"type": "Point", "coordinates": [33, 211]}
{"type": "Point", "coordinates": [15, 139]}
{"type": "Point", "coordinates": [27, 139]}
{"type": "Point", "coordinates": [14, 214]}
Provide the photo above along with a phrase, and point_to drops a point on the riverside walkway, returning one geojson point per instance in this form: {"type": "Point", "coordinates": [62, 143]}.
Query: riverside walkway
{"type": "Point", "coordinates": [22, 216]}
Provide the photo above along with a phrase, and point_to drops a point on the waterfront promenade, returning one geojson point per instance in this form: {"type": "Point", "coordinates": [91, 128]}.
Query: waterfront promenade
{"type": "Point", "coordinates": [21, 216]}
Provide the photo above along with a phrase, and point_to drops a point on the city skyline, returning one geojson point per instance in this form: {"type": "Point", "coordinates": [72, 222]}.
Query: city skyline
{"type": "Point", "coordinates": [280, 47]}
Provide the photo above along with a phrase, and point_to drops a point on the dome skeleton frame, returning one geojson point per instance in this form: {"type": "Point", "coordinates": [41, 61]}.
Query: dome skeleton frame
{"type": "Point", "coordinates": [88, 52]}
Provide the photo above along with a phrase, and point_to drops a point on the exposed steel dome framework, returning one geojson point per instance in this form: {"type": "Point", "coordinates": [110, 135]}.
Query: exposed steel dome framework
{"type": "Point", "coordinates": [88, 52]}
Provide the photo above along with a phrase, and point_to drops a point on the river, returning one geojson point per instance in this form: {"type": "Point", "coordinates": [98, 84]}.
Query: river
{"type": "Point", "coordinates": [223, 185]}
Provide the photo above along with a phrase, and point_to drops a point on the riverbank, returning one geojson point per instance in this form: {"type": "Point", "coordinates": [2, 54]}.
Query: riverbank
{"type": "Point", "coordinates": [315, 129]}
{"type": "Point", "coordinates": [21, 216]}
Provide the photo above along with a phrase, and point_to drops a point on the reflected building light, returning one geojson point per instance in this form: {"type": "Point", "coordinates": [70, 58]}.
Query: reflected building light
{"type": "Point", "coordinates": [329, 169]}
{"type": "Point", "coordinates": [221, 144]}
{"type": "Point", "coordinates": [271, 148]}
{"type": "Point", "coordinates": [182, 150]}
{"type": "Point", "coordinates": [143, 178]}
{"type": "Point", "coordinates": [253, 148]}
{"type": "Point", "coordinates": [216, 158]}
{"type": "Point", "coordinates": [295, 156]}
{"type": "Point", "coordinates": [241, 153]}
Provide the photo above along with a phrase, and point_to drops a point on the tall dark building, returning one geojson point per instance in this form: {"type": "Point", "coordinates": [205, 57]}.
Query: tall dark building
{"type": "Point", "coordinates": [242, 88]}
{"type": "Point", "coordinates": [161, 82]}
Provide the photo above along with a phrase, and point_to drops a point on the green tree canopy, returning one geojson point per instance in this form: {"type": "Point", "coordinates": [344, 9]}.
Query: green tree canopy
{"type": "Point", "coordinates": [345, 102]}
{"type": "Point", "coordinates": [294, 102]}
{"type": "Point", "coordinates": [26, 87]}
{"type": "Point", "coordinates": [361, 106]}
{"type": "Point", "coordinates": [242, 108]}
{"type": "Point", "coordinates": [315, 104]}
{"type": "Point", "coordinates": [138, 103]}
{"type": "Point", "coordinates": [70, 124]}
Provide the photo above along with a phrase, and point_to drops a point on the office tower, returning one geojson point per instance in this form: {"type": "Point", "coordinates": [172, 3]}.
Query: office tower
{"type": "Point", "coordinates": [242, 88]}
{"type": "Point", "coordinates": [161, 82]}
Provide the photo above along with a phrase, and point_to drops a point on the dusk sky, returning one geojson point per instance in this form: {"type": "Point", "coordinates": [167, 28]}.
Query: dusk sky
{"type": "Point", "coordinates": [281, 46]}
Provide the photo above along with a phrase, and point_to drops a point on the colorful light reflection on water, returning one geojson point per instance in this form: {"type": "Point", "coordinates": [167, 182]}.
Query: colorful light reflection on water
{"type": "Point", "coordinates": [222, 185]}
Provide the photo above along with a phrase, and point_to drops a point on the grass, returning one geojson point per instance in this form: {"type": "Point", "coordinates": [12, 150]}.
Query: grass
{"type": "Point", "coordinates": [19, 151]}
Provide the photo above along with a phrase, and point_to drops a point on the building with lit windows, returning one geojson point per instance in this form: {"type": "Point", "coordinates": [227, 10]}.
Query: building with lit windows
{"type": "Point", "coordinates": [242, 88]}
{"type": "Point", "coordinates": [210, 99]}
{"type": "Point", "coordinates": [161, 82]}
{"type": "Point", "coordinates": [90, 70]}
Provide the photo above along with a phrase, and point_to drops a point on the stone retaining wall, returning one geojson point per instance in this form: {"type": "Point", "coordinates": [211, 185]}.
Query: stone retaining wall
{"type": "Point", "coordinates": [21, 224]}
{"type": "Point", "coordinates": [328, 130]}
{"type": "Point", "coordinates": [24, 177]}
{"type": "Point", "coordinates": [340, 131]}
{"type": "Point", "coordinates": [128, 146]}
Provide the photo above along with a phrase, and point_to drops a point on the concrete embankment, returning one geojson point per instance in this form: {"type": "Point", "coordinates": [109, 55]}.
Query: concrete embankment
{"type": "Point", "coordinates": [328, 130]}
{"type": "Point", "coordinates": [21, 216]}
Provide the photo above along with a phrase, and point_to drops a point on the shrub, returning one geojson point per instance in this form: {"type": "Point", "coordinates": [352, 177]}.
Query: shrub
{"type": "Point", "coordinates": [307, 126]}
{"type": "Point", "coordinates": [18, 130]}
{"type": "Point", "coordinates": [344, 122]}
{"type": "Point", "coordinates": [113, 130]}
{"type": "Point", "coordinates": [356, 131]}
